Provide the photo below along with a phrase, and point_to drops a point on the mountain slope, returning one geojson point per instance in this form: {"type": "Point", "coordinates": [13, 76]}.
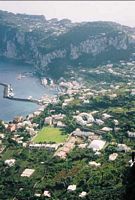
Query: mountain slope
{"type": "Point", "coordinates": [52, 45]}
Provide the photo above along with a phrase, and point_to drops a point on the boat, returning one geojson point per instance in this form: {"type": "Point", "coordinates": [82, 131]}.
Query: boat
{"type": "Point", "coordinates": [44, 81]}
{"type": "Point", "coordinates": [11, 94]}
{"type": "Point", "coordinates": [30, 97]}
{"type": "Point", "coordinates": [20, 76]}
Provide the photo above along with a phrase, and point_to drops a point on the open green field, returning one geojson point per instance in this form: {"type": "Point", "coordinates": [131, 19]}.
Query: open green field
{"type": "Point", "coordinates": [50, 134]}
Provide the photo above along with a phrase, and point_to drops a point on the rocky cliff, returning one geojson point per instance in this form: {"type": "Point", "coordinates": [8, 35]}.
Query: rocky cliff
{"type": "Point", "coordinates": [55, 44]}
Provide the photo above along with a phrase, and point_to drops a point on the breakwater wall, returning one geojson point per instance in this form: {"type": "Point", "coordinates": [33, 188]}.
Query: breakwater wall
{"type": "Point", "coordinates": [8, 89]}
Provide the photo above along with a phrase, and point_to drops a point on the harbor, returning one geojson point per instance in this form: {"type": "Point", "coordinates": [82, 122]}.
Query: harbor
{"type": "Point", "coordinates": [25, 94]}
{"type": "Point", "coordinates": [8, 94]}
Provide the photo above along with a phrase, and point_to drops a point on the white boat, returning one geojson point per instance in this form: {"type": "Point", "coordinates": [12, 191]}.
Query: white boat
{"type": "Point", "coordinates": [10, 94]}
{"type": "Point", "coordinates": [44, 81]}
{"type": "Point", "coordinates": [30, 97]}
{"type": "Point", "coordinates": [20, 76]}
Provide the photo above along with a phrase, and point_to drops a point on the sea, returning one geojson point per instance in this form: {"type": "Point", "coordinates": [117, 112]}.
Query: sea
{"type": "Point", "coordinates": [27, 85]}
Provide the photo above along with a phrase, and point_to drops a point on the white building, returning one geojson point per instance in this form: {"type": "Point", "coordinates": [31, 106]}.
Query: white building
{"type": "Point", "coordinates": [48, 120]}
{"type": "Point", "coordinates": [84, 119]}
{"type": "Point", "coordinates": [37, 195]}
{"type": "Point", "coordinates": [64, 104]}
{"type": "Point", "coordinates": [106, 129]}
{"type": "Point", "coordinates": [80, 133]}
{"type": "Point", "coordinates": [2, 135]}
{"type": "Point", "coordinates": [94, 164]}
{"type": "Point", "coordinates": [113, 96]}
{"type": "Point", "coordinates": [89, 117]}
{"type": "Point", "coordinates": [123, 147]}
{"type": "Point", "coordinates": [105, 116]}
{"type": "Point", "coordinates": [99, 122]}
{"type": "Point", "coordinates": [133, 92]}
{"type": "Point", "coordinates": [82, 146]}
{"type": "Point", "coordinates": [27, 172]}
{"type": "Point", "coordinates": [30, 116]}
{"type": "Point", "coordinates": [60, 124]}
{"type": "Point", "coordinates": [116, 122]}
{"type": "Point", "coordinates": [37, 113]}
{"type": "Point", "coordinates": [71, 188]}
{"type": "Point", "coordinates": [113, 156]}
{"type": "Point", "coordinates": [80, 121]}
{"type": "Point", "coordinates": [10, 162]}
{"type": "Point", "coordinates": [97, 153]}
{"type": "Point", "coordinates": [31, 131]}
{"type": "Point", "coordinates": [83, 194]}
{"type": "Point", "coordinates": [26, 123]}
{"type": "Point", "coordinates": [47, 194]}
{"type": "Point", "coordinates": [45, 146]}
{"type": "Point", "coordinates": [97, 145]}
{"type": "Point", "coordinates": [131, 134]}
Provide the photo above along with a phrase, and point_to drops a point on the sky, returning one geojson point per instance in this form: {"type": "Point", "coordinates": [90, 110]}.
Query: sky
{"type": "Point", "coordinates": [119, 11]}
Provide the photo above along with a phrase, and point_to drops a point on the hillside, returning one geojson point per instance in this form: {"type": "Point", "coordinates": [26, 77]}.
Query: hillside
{"type": "Point", "coordinates": [55, 45]}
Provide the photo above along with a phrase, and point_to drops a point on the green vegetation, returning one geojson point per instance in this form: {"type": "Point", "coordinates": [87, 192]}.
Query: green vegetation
{"type": "Point", "coordinates": [50, 134]}
{"type": "Point", "coordinates": [113, 180]}
{"type": "Point", "coordinates": [56, 175]}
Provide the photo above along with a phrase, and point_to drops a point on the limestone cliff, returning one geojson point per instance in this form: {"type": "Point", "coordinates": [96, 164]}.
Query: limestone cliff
{"type": "Point", "coordinates": [41, 42]}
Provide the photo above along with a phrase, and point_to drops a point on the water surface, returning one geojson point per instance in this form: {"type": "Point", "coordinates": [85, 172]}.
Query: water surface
{"type": "Point", "coordinates": [25, 87]}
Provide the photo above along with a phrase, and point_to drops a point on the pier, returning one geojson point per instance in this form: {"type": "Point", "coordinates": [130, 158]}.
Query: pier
{"type": "Point", "coordinates": [8, 95]}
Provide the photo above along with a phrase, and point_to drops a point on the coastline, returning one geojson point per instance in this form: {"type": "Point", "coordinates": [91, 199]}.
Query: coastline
{"type": "Point", "coordinates": [28, 85]}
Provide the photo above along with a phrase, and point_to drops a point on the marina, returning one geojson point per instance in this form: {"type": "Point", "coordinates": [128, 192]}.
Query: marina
{"type": "Point", "coordinates": [25, 94]}
{"type": "Point", "coordinates": [8, 93]}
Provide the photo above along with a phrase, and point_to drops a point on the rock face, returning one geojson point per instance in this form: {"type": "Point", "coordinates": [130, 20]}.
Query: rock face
{"type": "Point", "coordinates": [45, 43]}
{"type": "Point", "coordinates": [10, 50]}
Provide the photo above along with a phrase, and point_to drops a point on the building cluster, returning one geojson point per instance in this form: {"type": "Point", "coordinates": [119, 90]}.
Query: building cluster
{"type": "Point", "coordinates": [52, 147]}
{"type": "Point", "coordinates": [84, 136]}
{"type": "Point", "coordinates": [70, 188]}
{"type": "Point", "coordinates": [23, 123]}
{"type": "Point", "coordinates": [88, 120]}
{"type": "Point", "coordinates": [55, 120]}
{"type": "Point", "coordinates": [45, 100]}
{"type": "Point", "coordinates": [63, 151]}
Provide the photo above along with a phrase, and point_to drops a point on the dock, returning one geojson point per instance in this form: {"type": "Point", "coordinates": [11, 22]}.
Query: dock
{"type": "Point", "coordinates": [7, 95]}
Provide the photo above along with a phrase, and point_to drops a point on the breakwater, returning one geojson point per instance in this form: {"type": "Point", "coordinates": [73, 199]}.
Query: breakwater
{"type": "Point", "coordinates": [8, 94]}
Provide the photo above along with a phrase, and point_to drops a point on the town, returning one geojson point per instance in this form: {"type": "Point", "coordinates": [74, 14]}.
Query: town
{"type": "Point", "coordinates": [86, 130]}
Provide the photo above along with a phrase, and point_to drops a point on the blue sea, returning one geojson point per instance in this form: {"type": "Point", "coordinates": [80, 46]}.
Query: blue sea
{"type": "Point", "coordinates": [24, 87]}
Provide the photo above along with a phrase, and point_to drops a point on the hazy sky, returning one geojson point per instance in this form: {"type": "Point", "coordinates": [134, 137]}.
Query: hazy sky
{"type": "Point", "coordinates": [118, 11]}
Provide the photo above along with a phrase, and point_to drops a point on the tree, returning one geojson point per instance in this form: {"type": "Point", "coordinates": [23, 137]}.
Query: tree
{"type": "Point", "coordinates": [2, 128]}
